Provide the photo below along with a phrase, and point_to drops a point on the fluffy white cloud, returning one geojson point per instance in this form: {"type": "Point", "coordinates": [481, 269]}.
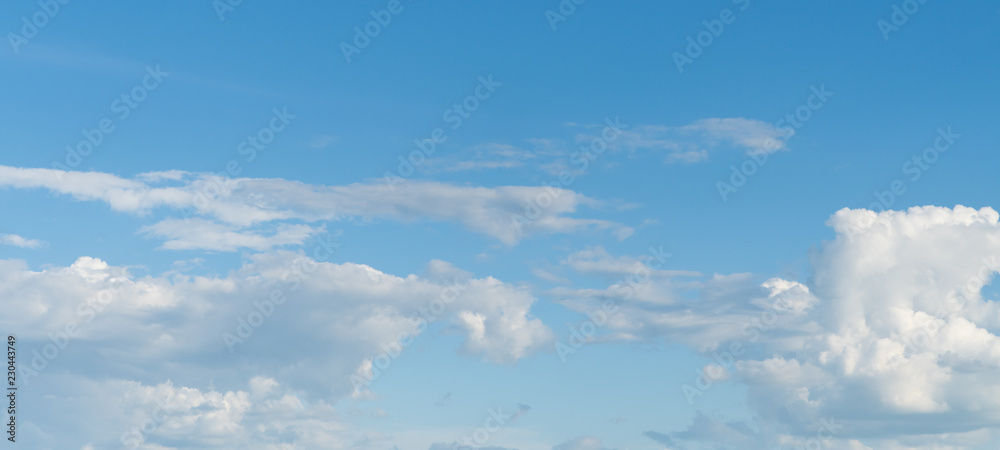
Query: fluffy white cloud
{"type": "Point", "coordinates": [906, 332]}
{"type": "Point", "coordinates": [892, 337]}
{"type": "Point", "coordinates": [261, 414]}
{"type": "Point", "coordinates": [308, 324]}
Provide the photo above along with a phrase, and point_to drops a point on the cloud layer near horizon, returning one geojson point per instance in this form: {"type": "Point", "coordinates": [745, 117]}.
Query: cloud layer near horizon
{"type": "Point", "coordinates": [892, 337]}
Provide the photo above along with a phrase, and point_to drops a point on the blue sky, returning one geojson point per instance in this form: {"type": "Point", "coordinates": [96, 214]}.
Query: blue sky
{"type": "Point", "coordinates": [812, 183]}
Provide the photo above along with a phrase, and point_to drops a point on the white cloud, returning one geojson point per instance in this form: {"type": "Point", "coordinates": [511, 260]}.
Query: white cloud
{"type": "Point", "coordinates": [237, 204]}
{"type": "Point", "coordinates": [652, 301]}
{"type": "Point", "coordinates": [597, 261]}
{"type": "Point", "coordinates": [690, 143]}
{"type": "Point", "coordinates": [119, 193]}
{"type": "Point", "coordinates": [892, 337]}
{"type": "Point", "coordinates": [18, 241]}
{"type": "Point", "coordinates": [549, 276]}
{"type": "Point", "coordinates": [197, 233]}
{"type": "Point", "coordinates": [905, 328]}
{"type": "Point", "coordinates": [481, 165]}
{"type": "Point", "coordinates": [693, 142]}
{"type": "Point", "coordinates": [260, 414]}
{"type": "Point", "coordinates": [755, 136]}
{"type": "Point", "coordinates": [482, 157]}
{"type": "Point", "coordinates": [159, 319]}
{"type": "Point", "coordinates": [140, 331]}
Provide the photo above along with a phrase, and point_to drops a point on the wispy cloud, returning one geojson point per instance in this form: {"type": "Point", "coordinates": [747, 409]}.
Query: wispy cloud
{"type": "Point", "coordinates": [322, 142]}
{"type": "Point", "coordinates": [18, 241]}
{"type": "Point", "coordinates": [205, 234]}
{"type": "Point", "coordinates": [691, 143]}
{"type": "Point", "coordinates": [483, 157]}
{"type": "Point", "coordinates": [696, 141]}
{"type": "Point", "coordinates": [230, 207]}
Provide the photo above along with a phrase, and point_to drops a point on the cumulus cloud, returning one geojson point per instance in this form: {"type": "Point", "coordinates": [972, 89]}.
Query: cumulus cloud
{"type": "Point", "coordinates": [227, 208]}
{"type": "Point", "coordinates": [316, 322]}
{"type": "Point", "coordinates": [893, 337]}
{"type": "Point", "coordinates": [906, 331]}
{"type": "Point", "coordinates": [258, 414]}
